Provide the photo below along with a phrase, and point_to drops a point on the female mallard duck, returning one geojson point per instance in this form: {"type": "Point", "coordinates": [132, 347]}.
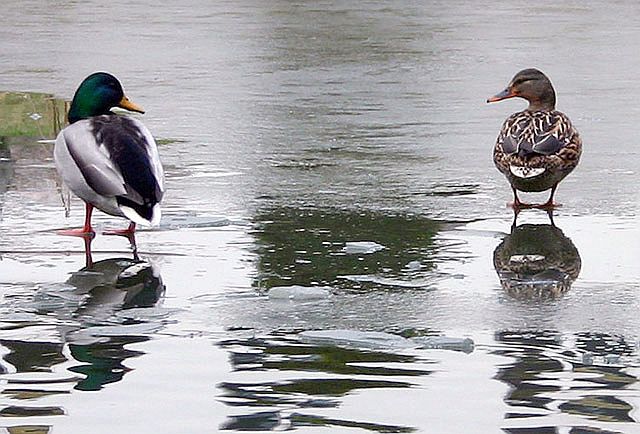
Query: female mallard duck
{"type": "Point", "coordinates": [110, 162]}
{"type": "Point", "coordinates": [537, 147]}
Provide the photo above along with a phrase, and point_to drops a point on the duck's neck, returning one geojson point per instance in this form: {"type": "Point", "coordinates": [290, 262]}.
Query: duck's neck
{"type": "Point", "coordinates": [545, 102]}
{"type": "Point", "coordinates": [87, 103]}
{"type": "Point", "coordinates": [79, 111]}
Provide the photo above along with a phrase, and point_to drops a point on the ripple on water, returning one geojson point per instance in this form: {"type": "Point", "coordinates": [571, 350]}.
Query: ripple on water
{"type": "Point", "coordinates": [297, 398]}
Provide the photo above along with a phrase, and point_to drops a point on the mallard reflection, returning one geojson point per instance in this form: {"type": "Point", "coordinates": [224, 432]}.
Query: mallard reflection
{"type": "Point", "coordinates": [106, 287]}
{"type": "Point", "coordinates": [536, 261]}
{"type": "Point", "coordinates": [103, 362]}
{"type": "Point", "coordinates": [118, 282]}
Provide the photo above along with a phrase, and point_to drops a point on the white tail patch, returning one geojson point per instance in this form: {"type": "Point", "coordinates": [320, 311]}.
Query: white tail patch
{"type": "Point", "coordinates": [136, 218]}
{"type": "Point", "coordinates": [526, 172]}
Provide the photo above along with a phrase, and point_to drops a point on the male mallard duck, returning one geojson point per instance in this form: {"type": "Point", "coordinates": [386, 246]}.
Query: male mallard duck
{"type": "Point", "coordinates": [109, 161]}
{"type": "Point", "coordinates": [537, 147]}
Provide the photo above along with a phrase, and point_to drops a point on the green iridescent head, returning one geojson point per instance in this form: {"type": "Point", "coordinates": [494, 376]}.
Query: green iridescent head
{"type": "Point", "coordinates": [97, 94]}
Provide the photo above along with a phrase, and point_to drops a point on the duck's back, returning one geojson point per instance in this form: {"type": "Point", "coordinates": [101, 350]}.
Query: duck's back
{"type": "Point", "coordinates": [133, 151]}
{"type": "Point", "coordinates": [112, 162]}
{"type": "Point", "coordinates": [536, 149]}
{"type": "Point", "coordinates": [536, 132]}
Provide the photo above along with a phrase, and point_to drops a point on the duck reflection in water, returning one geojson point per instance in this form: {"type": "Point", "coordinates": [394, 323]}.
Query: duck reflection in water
{"type": "Point", "coordinates": [100, 292]}
{"type": "Point", "coordinates": [118, 281]}
{"type": "Point", "coordinates": [536, 261]}
{"type": "Point", "coordinates": [109, 285]}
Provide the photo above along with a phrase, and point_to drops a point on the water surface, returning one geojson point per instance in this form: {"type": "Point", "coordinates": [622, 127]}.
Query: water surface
{"type": "Point", "coordinates": [334, 146]}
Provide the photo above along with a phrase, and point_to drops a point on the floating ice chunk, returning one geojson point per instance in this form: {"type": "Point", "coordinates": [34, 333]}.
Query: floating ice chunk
{"type": "Point", "coordinates": [612, 359]}
{"type": "Point", "coordinates": [174, 221]}
{"type": "Point", "coordinates": [361, 247]}
{"type": "Point", "coordinates": [146, 313]}
{"type": "Point", "coordinates": [386, 281]}
{"type": "Point", "coordinates": [381, 340]}
{"type": "Point", "coordinates": [121, 330]}
{"type": "Point", "coordinates": [354, 338]}
{"type": "Point", "coordinates": [297, 292]}
{"type": "Point", "coordinates": [444, 343]}
{"type": "Point", "coordinates": [40, 377]}
{"type": "Point", "coordinates": [413, 265]}
{"type": "Point", "coordinates": [587, 358]}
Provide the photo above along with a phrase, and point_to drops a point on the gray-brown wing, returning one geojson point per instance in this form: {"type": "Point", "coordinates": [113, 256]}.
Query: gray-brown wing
{"type": "Point", "coordinates": [92, 159]}
{"type": "Point", "coordinates": [542, 133]}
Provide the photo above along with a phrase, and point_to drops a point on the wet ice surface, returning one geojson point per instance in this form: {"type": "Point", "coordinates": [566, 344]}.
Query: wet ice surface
{"type": "Point", "coordinates": [334, 234]}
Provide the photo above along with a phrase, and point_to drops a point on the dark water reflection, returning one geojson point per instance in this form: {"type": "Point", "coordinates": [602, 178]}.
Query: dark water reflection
{"type": "Point", "coordinates": [339, 247]}
{"type": "Point", "coordinates": [27, 357]}
{"type": "Point", "coordinates": [343, 371]}
{"type": "Point", "coordinates": [543, 370]}
{"type": "Point", "coordinates": [103, 362]}
{"type": "Point", "coordinates": [90, 349]}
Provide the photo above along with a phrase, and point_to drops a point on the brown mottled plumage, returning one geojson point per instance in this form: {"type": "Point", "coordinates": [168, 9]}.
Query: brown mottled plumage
{"type": "Point", "coordinates": [537, 147]}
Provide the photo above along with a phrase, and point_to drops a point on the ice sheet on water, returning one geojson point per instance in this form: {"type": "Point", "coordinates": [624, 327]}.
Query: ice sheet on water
{"type": "Point", "coordinates": [175, 221]}
{"type": "Point", "coordinates": [155, 313]}
{"type": "Point", "coordinates": [389, 281]}
{"type": "Point", "coordinates": [40, 377]}
{"type": "Point", "coordinates": [590, 358]}
{"type": "Point", "coordinates": [361, 247]}
{"type": "Point", "coordinates": [382, 340]}
{"type": "Point", "coordinates": [355, 338]}
{"type": "Point", "coordinates": [465, 345]}
{"type": "Point", "coordinates": [297, 292]}
{"type": "Point", "coordinates": [414, 266]}
{"type": "Point", "coordinates": [102, 333]}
